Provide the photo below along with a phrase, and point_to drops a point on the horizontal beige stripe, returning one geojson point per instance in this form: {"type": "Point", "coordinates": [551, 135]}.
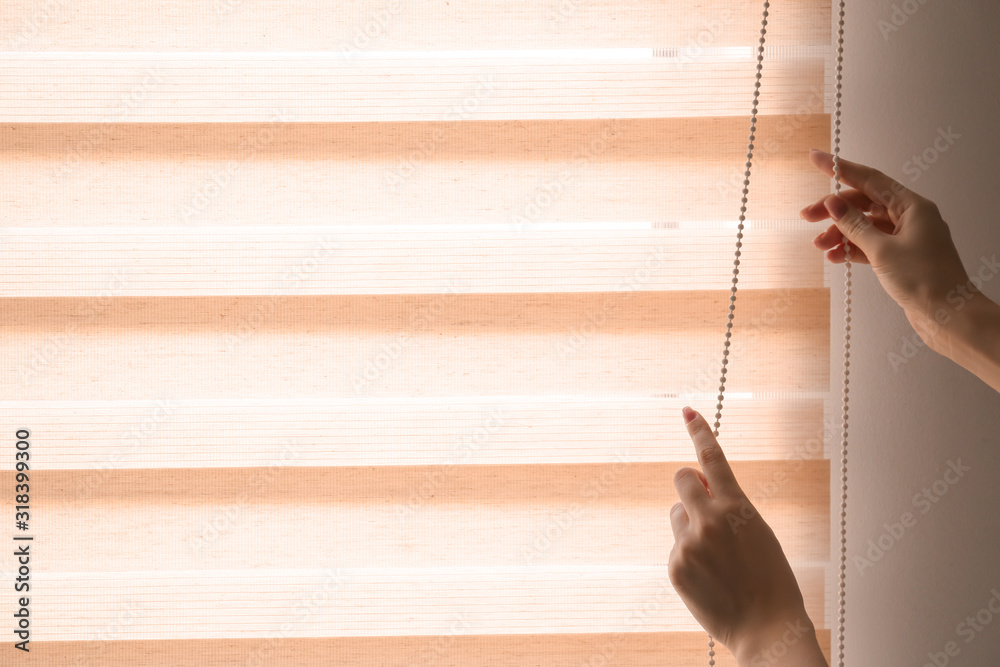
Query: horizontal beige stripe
{"type": "Point", "coordinates": [405, 24]}
{"type": "Point", "coordinates": [278, 260]}
{"type": "Point", "coordinates": [394, 517]}
{"type": "Point", "coordinates": [634, 649]}
{"type": "Point", "coordinates": [339, 602]}
{"type": "Point", "coordinates": [644, 344]}
{"type": "Point", "coordinates": [400, 431]}
{"type": "Point", "coordinates": [524, 173]}
{"type": "Point", "coordinates": [264, 87]}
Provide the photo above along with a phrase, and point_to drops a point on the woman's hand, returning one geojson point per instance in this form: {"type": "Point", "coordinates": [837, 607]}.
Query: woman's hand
{"type": "Point", "coordinates": [901, 234]}
{"type": "Point", "coordinates": [909, 246]}
{"type": "Point", "coordinates": [729, 568]}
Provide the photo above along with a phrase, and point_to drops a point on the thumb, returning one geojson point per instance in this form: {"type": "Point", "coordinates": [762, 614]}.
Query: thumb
{"type": "Point", "coordinates": [856, 226]}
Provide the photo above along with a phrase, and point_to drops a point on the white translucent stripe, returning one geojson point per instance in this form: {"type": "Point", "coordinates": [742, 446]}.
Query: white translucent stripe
{"type": "Point", "coordinates": [468, 572]}
{"type": "Point", "coordinates": [389, 229]}
{"type": "Point", "coordinates": [82, 435]}
{"type": "Point", "coordinates": [304, 88]}
{"type": "Point", "coordinates": [483, 400]}
{"type": "Point", "coordinates": [348, 56]}
{"type": "Point", "coordinates": [683, 53]}
{"type": "Point", "coordinates": [195, 262]}
{"type": "Point", "coordinates": [365, 602]}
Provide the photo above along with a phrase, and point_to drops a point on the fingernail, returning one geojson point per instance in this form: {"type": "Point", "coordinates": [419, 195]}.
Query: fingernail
{"type": "Point", "coordinates": [836, 206]}
{"type": "Point", "coordinates": [689, 414]}
{"type": "Point", "coordinates": [816, 240]}
{"type": "Point", "coordinates": [816, 150]}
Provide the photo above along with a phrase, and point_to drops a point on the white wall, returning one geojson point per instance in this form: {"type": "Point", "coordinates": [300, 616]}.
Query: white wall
{"type": "Point", "coordinates": [940, 69]}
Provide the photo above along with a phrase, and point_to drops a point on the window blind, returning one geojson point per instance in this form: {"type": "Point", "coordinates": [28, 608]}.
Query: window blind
{"type": "Point", "coordinates": [354, 333]}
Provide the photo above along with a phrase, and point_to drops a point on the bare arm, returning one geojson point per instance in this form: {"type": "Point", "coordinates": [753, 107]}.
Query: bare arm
{"type": "Point", "coordinates": [972, 337]}
{"type": "Point", "coordinates": [909, 246]}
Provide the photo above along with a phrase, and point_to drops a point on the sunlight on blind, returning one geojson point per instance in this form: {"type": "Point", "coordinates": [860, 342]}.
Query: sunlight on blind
{"type": "Point", "coordinates": [357, 333]}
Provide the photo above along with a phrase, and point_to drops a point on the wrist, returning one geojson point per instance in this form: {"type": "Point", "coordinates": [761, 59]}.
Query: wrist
{"type": "Point", "coordinates": [789, 642]}
{"type": "Point", "coordinates": [963, 322]}
{"type": "Point", "coordinates": [973, 339]}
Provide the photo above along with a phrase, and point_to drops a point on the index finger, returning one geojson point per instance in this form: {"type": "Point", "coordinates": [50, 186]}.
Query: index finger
{"type": "Point", "coordinates": [880, 188]}
{"type": "Point", "coordinates": [721, 479]}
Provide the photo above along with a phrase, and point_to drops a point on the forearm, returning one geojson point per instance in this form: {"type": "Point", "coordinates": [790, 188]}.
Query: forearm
{"type": "Point", "coordinates": [972, 339]}
{"type": "Point", "coordinates": [792, 644]}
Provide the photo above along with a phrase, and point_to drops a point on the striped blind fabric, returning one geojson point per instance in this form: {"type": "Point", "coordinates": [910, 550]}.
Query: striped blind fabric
{"type": "Point", "coordinates": [355, 333]}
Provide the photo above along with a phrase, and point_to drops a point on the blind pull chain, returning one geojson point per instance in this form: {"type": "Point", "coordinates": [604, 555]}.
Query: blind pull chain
{"type": "Point", "coordinates": [842, 584]}
{"type": "Point", "coordinates": [842, 577]}
{"type": "Point", "coordinates": [739, 244]}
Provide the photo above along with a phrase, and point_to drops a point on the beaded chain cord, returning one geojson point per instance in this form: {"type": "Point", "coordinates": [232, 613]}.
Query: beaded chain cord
{"type": "Point", "coordinates": [842, 579]}
{"type": "Point", "coordinates": [739, 244]}
{"type": "Point", "coordinates": [847, 325]}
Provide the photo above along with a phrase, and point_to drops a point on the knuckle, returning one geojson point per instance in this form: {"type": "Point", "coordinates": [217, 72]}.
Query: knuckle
{"type": "Point", "coordinates": [712, 455]}
{"type": "Point", "coordinates": [686, 553]}
{"type": "Point", "coordinates": [677, 570]}
{"type": "Point", "coordinates": [880, 197]}
{"type": "Point", "coordinates": [873, 178]}
{"type": "Point", "coordinates": [740, 507]}
{"type": "Point", "coordinates": [684, 475]}
{"type": "Point", "coordinates": [709, 532]}
{"type": "Point", "coordinates": [856, 221]}
{"type": "Point", "coordinates": [734, 504]}
{"type": "Point", "coordinates": [926, 207]}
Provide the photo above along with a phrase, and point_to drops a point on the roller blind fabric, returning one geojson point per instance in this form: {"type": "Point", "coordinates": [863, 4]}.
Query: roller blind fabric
{"type": "Point", "coordinates": [357, 333]}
